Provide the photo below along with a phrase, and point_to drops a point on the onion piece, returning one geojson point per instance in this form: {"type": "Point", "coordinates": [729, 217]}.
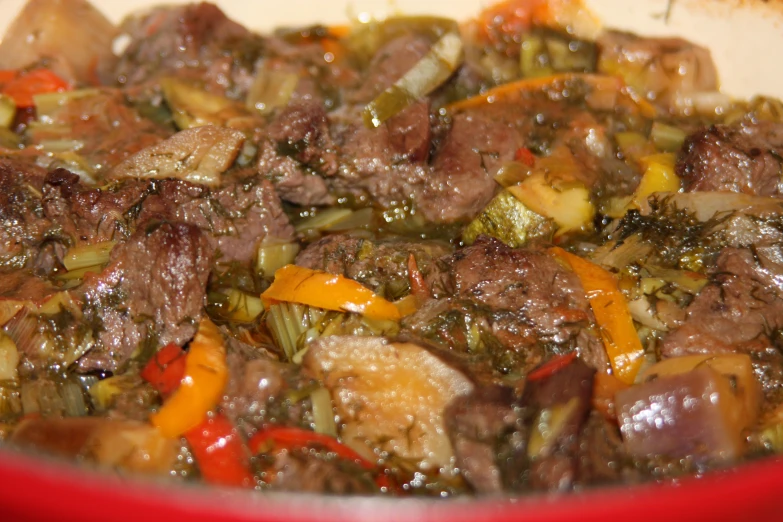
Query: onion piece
{"type": "Point", "coordinates": [427, 75]}
{"type": "Point", "coordinates": [199, 155]}
{"type": "Point", "coordinates": [271, 89]}
{"type": "Point", "coordinates": [71, 35]}
{"type": "Point", "coordinates": [9, 358]}
{"type": "Point", "coordinates": [707, 205]}
{"type": "Point", "coordinates": [273, 255]}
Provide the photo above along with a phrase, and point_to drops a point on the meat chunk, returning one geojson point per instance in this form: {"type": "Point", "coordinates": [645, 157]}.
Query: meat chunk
{"type": "Point", "coordinates": [478, 425]}
{"type": "Point", "coordinates": [307, 473]}
{"type": "Point", "coordinates": [742, 157]}
{"type": "Point", "coordinates": [152, 291]}
{"type": "Point", "coordinates": [390, 396]}
{"type": "Point", "coordinates": [380, 265]}
{"type": "Point", "coordinates": [297, 151]}
{"type": "Point", "coordinates": [196, 39]}
{"type": "Point", "coordinates": [521, 299]}
{"type": "Point", "coordinates": [666, 70]}
{"type": "Point", "coordinates": [100, 124]}
{"type": "Point", "coordinates": [22, 223]}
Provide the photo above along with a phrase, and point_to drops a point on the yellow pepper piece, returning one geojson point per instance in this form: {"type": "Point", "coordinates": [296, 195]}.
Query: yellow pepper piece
{"type": "Point", "coordinates": [658, 176]}
{"type": "Point", "coordinates": [296, 284]}
{"type": "Point", "coordinates": [618, 333]}
{"type": "Point", "coordinates": [206, 374]}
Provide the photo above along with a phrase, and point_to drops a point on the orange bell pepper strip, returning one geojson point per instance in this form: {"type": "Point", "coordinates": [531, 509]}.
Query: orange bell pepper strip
{"type": "Point", "coordinates": [605, 387]}
{"type": "Point", "coordinates": [618, 333]}
{"type": "Point", "coordinates": [296, 284]}
{"type": "Point", "coordinates": [21, 86]}
{"type": "Point", "coordinates": [221, 454]}
{"type": "Point", "coordinates": [202, 386]}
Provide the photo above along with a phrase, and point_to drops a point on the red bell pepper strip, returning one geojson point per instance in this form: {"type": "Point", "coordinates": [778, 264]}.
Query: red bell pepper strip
{"type": "Point", "coordinates": [551, 367]}
{"type": "Point", "coordinates": [21, 86]}
{"type": "Point", "coordinates": [166, 369]}
{"type": "Point", "coordinates": [222, 456]}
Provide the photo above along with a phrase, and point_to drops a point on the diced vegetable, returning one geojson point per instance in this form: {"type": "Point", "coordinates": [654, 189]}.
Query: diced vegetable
{"type": "Point", "coordinates": [288, 322]}
{"type": "Point", "coordinates": [221, 455]}
{"type": "Point", "coordinates": [736, 368]}
{"type": "Point", "coordinates": [104, 392]}
{"type": "Point", "coordinates": [706, 205]}
{"type": "Point", "coordinates": [274, 255]}
{"type": "Point", "coordinates": [271, 89]}
{"type": "Point", "coordinates": [166, 369]}
{"type": "Point", "coordinates": [88, 255]}
{"type": "Point", "coordinates": [47, 105]}
{"type": "Point", "coordinates": [192, 106]}
{"type": "Point", "coordinates": [235, 305]}
{"type": "Point", "coordinates": [365, 39]}
{"type": "Point", "coordinates": [569, 207]}
{"type": "Point", "coordinates": [634, 145]}
{"type": "Point", "coordinates": [199, 155]}
{"type": "Point", "coordinates": [667, 138]}
{"type": "Point", "coordinates": [323, 412]}
{"type": "Point", "coordinates": [329, 291]}
{"type": "Point", "coordinates": [7, 111]}
{"type": "Point", "coordinates": [548, 426]}
{"type": "Point", "coordinates": [658, 176]}
{"type": "Point", "coordinates": [324, 219]}
{"type": "Point", "coordinates": [201, 387]}
{"type": "Point", "coordinates": [546, 52]}
{"type": "Point", "coordinates": [9, 358]}
{"type": "Point", "coordinates": [390, 396]}
{"type": "Point", "coordinates": [618, 333]}
{"type": "Point", "coordinates": [508, 219]}
{"type": "Point", "coordinates": [693, 414]}
{"type": "Point", "coordinates": [428, 74]}
{"type": "Point", "coordinates": [71, 37]}
{"type": "Point", "coordinates": [23, 85]}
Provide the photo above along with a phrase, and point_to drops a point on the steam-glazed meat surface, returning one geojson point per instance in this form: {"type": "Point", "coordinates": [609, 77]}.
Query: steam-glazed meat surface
{"type": "Point", "coordinates": [744, 157]}
{"type": "Point", "coordinates": [413, 257]}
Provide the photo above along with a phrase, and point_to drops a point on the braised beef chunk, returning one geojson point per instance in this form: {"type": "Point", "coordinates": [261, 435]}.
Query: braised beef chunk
{"type": "Point", "coordinates": [602, 457]}
{"type": "Point", "coordinates": [22, 223]}
{"type": "Point", "coordinates": [304, 472]}
{"type": "Point", "coordinates": [742, 157]}
{"type": "Point", "coordinates": [196, 39]}
{"type": "Point", "coordinates": [523, 302]}
{"type": "Point", "coordinates": [740, 311]}
{"type": "Point", "coordinates": [151, 292]}
{"type": "Point", "coordinates": [478, 425]}
{"type": "Point", "coordinates": [379, 265]}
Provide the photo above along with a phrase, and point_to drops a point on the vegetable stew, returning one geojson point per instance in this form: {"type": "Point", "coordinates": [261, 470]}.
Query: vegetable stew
{"type": "Point", "coordinates": [404, 257]}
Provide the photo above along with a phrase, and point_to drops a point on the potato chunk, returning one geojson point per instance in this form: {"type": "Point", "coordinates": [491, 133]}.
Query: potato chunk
{"type": "Point", "coordinates": [391, 395]}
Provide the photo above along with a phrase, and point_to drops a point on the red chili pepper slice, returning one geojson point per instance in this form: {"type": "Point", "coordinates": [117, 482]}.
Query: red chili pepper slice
{"type": "Point", "coordinates": [551, 367]}
{"type": "Point", "coordinates": [524, 155]}
{"type": "Point", "coordinates": [419, 287]}
{"type": "Point", "coordinates": [166, 369]}
{"type": "Point", "coordinates": [222, 456]}
{"type": "Point", "coordinates": [294, 438]}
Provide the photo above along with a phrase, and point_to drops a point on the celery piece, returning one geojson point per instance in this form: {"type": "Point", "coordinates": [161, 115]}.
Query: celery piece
{"type": "Point", "coordinates": [323, 413]}
{"type": "Point", "coordinates": [271, 89]}
{"type": "Point", "coordinates": [47, 105]}
{"type": "Point", "coordinates": [88, 255]}
{"type": "Point", "coordinates": [366, 38]}
{"type": "Point", "coordinates": [272, 256]}
{"type": "Point", "coordinates": [667, 138]}
{"type": "Point", "coordinates": [507, 219]}
{"type": "Point", "coordinates": [424, 77]}
{"type": "Point", "coordinates": [324, 219]}
{"type": "Point", "coordinates": [7, 111]}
